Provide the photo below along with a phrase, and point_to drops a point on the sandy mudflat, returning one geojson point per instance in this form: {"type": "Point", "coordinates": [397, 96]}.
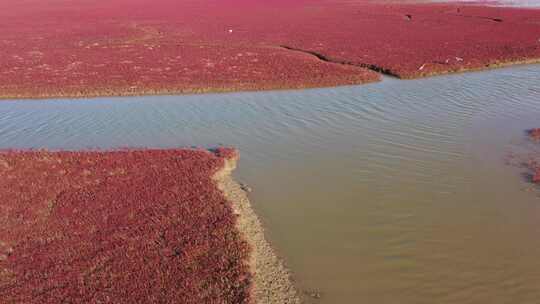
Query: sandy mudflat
{"type": "Point", "coordinates": [271, 280]}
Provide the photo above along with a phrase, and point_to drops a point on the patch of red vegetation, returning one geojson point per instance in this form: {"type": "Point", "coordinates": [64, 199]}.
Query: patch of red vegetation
{"type": "Point", "coordinates": [146, 226]}
{"type": "Point", "coordinates": [533, 164]}
{"type": "Point", "coordinates": [415, 40]}
{"type": "Point", "coordinates": [536, 176]}
{"type": "Point", "coordinates": [534, 134]}
{"type": "Point", "coordinates": [123, 47]}
{"type": "Point", "coordinates": [534, 169]}
{"type": "Point", "coordinates": [528, 160]}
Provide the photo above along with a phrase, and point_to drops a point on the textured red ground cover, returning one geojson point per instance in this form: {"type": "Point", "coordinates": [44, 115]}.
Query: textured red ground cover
{"type": "Point", "coordinates": [87, 47]}
{"type": "Point", "coordinates": [534, 170]}
{"type": "Point", "coordinates": [534, 134]}
{"type": "Point", "coordinates": [532, 164]}
{"type": "Point", "coordinates": [145, 226]}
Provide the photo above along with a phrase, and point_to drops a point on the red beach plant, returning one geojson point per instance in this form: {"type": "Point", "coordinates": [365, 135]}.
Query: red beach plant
{"type": "Point", "coordinates": [532, 163]}
{"type": "Point", "coordinates": [128, 47]}
{"type": "Point", "coordinates": [133, 226]}
{"type": "Point", "coordinates": [534, 134]}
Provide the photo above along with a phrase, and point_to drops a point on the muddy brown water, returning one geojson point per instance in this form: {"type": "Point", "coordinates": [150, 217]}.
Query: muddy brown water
{"type": "Point", "coordinates": [395, 192]}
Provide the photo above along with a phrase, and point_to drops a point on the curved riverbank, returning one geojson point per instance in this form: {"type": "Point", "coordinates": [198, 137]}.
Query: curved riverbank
{"type": "Point", "coordinates": [271, 280]}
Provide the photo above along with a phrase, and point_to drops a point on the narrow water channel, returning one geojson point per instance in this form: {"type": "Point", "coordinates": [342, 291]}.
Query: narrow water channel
{"type": "Point", "coordinates": [509, 3]}
{"type": "Point", "coordinates": [394, 192]}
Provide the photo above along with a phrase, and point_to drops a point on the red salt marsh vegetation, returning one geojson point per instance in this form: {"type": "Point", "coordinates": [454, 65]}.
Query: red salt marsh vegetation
{"type": "Point", "coordinates": [529, 161]}
{"type": "Point", "coordinates": [533, 167]}
{"type": "Point", "coordinates": [534, 134]}
{"type": "Point", "coordinates": [532, 162]}
{"type": "Point", "coordinates": [142, 226]}
{"type": "Point", "coordinates": [129, 47]}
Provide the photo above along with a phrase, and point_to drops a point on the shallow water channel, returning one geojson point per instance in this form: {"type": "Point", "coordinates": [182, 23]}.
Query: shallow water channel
{"type": "Point", "coordinates": [510, 3]}
{"type": "Point", "coordinates": [394, 192]}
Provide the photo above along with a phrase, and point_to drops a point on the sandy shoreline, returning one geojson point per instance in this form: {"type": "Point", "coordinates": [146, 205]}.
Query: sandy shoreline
{"type": "Point", "coordinates": [271, 280]}
{"type": "Point", "coordinates": [486, 67]}
{"type": "Point", "coordinates": [180, 91]}
{"type": "Point", "coordinates": [174, 91]}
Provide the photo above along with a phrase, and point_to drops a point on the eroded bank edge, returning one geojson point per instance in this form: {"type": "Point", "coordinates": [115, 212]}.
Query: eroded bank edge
{"type": "Point", "coordinates": [272, 283]}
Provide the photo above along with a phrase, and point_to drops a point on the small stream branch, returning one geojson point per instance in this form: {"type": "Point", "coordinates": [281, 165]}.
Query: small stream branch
{"type": "Point", "coordinates": [324, 58]}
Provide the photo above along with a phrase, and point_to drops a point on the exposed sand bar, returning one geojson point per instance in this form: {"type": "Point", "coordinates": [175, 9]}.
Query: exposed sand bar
{"type": "Point", "coordinates": [271, 280]}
